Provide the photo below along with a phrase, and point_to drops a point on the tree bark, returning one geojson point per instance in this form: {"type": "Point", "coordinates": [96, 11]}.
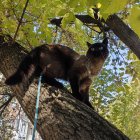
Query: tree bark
{"type": "Point", "coordinates": [120, 29]}
{"type": "Point", "coordinates": [61, 116]}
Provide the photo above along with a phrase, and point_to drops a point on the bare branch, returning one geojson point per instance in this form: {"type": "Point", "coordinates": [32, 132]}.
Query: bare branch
{"type": "Point", "coordinates": [20, 21]}
{"type": "Point", "coordinates": [123, 31]}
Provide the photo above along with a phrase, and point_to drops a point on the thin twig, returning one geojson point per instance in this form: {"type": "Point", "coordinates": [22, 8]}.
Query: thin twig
{"type": "Point", "coordinates": [20, 21]}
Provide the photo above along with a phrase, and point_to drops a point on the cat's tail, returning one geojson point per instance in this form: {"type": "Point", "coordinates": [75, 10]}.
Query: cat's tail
{"type": "Point", "coordinates": [14, 79]}
{"type": "Point", "coordinates": [24, 73]}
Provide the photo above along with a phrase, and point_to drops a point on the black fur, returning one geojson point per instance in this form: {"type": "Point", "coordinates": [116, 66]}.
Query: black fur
{"type": "Point", "coordinates": [57, 61]}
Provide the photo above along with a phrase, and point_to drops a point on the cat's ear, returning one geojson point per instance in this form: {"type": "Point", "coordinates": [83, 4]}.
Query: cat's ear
{"type": "Point", "coordinates": [105, 41]}
{"type": "Point", "coordinates": [88, 44]}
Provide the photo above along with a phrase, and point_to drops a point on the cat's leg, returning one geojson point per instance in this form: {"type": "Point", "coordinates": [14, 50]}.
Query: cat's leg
{"type": "Point", "coordinates": [80, 83]}
{"type": "Point", "coordinates": [84, 85]}
{"type": "Point", "coordinates": [52, 82]}
{"type": "Point", "coordinates": [75, 88]}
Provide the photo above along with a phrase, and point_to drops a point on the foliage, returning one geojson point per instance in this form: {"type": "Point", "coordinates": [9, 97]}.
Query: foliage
{"type": "Point", "coordinates": [35, 28]}
{"type": "Point", "coordinates": [134, 19]}
{"type": "Point", "coordinates": [115, 93]}
{"type": "Point", "coordinates": [124, 111]}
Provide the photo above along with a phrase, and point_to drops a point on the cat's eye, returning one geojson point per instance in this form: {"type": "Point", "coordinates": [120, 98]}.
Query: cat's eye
{"type": "Point", "coordinates": [101, 48]}
{"type": "Point", "coordinates": [92, 49]}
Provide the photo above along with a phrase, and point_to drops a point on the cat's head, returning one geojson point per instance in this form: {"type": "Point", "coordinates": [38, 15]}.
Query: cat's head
{"type": "Point", "coordinates": [98, 49]}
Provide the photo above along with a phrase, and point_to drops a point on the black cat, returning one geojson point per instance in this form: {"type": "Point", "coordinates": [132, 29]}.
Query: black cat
{"type": "Point", "coordinates": [58, 61]}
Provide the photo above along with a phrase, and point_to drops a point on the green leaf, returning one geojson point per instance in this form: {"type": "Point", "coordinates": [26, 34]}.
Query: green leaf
{"type": "Point", "coordinates": [134, 19]}
{"type": "Point", "coordinates": [111, 6]}
{"type": "Point", "coordinates": [115, 6]}
{"type": "Point", "coordinates": [78, 24]}
{"type": "Point", "coordinates": [73, 3]}
{"type": "Point", "coordinates": [68, 17]}
{"type": "Point", "coordinates": [90, 12]}
{"type": "Point", "coordinates": [61, 12]}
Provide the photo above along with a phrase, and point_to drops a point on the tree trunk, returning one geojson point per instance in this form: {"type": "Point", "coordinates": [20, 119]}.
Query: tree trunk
{"type": "Point", "coordinates": [61, 116]}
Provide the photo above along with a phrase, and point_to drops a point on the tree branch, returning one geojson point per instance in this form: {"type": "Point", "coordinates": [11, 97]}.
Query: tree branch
{"type": "Point", "coordinates": [61, 116]}
{"type": "Point", "coordinates": [20, 21]}
{"type": "Point", "coordinates": [84, 18]}
{"type": "Point", "coordinates": [123, 31]}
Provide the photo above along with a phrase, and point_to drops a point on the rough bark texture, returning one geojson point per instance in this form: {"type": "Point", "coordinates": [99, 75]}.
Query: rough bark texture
{"type": "Point", "coordinates": [123, 31]}
{"type": "Point", "coordinates": [61, 116]}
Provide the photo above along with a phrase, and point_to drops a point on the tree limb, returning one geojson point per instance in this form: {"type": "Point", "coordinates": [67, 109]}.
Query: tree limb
{"type": "Point", "coordinates": [123, 31]}
{"type": "Point", "coordinates": [20, 21]}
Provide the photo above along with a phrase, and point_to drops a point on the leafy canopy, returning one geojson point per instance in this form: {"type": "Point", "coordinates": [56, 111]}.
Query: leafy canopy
{"type": "Point", "coordinates": [36, 27]}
